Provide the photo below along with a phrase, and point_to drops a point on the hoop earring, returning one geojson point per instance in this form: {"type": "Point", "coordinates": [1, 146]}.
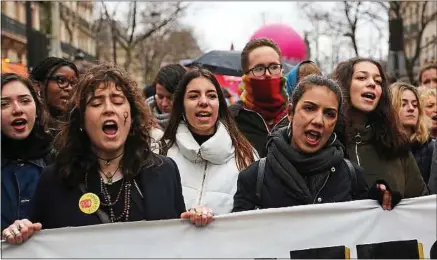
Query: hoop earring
{"type": "Point", "coordinates": [335, 138]}
{"type": "Point", "coordinates": [183, 118]}
{"type": "Point", "coordinates": [80, 129]}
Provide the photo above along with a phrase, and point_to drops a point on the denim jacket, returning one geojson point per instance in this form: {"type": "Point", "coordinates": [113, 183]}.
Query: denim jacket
{"type": "Point", "coordinates": [19, 181]}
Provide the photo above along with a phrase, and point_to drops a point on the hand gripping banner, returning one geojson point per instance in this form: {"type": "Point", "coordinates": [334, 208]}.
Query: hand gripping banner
{"type": "Point", "coordinates": [357, 229]}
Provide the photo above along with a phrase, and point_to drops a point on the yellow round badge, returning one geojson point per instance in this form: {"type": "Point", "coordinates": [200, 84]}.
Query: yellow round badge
{"type": "Point", "coordinates": [89, 203]}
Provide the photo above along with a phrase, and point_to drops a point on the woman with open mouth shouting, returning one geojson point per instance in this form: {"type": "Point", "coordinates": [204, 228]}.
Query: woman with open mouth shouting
{"type": "Point", "coordinates": [204, 141]}
{"type": "Point", "coordinates": [104, 171]}
{"type": "Point", "coordinates": [376, 141]}
{"type": "Point", "coordinates": [26, 146]}
{"type": "Point", "coordinates": [305, 162]}
{"type": "Point", "coordinates": [407, 103]}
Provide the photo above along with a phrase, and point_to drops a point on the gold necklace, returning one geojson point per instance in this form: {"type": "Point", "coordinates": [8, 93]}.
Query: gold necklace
{"type": "Point", "coordinates": [107, 161]}
{"type": "Point", "coordinates": [109, 176]}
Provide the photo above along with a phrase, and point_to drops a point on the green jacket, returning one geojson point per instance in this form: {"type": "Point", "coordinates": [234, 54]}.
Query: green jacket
{"type": "Point", "coordinates": [401, 174]}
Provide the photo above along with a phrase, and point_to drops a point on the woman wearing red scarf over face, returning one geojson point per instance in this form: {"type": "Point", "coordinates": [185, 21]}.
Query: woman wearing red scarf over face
{"type": "Point", "coordinates": [263, 103]}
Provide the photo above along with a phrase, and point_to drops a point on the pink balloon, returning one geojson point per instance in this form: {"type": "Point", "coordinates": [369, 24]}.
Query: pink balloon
{"type": "Point", "coordinates": [292, 46]}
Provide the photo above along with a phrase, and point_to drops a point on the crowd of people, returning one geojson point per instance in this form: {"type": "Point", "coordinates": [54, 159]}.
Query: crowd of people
{"type": "Point", "coordinates": [178, 150]}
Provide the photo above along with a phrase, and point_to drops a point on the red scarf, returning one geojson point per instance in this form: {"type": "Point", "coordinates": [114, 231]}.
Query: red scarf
{"type": "Point", "coordinates": [265, 96]}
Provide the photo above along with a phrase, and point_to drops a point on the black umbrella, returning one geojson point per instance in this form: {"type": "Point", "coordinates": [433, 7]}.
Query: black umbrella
{"type": "Point", "coordinates": [225, 63]}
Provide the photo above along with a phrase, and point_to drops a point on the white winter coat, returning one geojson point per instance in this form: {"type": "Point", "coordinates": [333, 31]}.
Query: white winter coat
{"type": "Point", "coordinates": [208, 172]}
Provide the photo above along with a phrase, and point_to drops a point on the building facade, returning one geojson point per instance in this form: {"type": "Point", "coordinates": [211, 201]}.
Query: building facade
{"type": "Point", "coordinates": [75, 31]}
{"type": "Point", "coordinates": [13, 29]}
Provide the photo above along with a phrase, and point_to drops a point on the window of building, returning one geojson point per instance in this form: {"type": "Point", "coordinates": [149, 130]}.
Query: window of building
{"type": "Point", "coordinates": [17, 11]}
{"type": "Point", "coordinates": [411, 13]}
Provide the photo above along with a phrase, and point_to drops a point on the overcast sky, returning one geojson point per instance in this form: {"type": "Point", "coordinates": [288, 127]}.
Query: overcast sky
{"type": "Point", "coordinates": [218, 24]}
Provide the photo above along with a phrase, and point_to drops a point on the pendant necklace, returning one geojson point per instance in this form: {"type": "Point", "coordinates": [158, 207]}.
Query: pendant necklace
{"type": "Point", "coordinates": [108, 161]}
{"type": "Point", "coordinates": [109, 176]}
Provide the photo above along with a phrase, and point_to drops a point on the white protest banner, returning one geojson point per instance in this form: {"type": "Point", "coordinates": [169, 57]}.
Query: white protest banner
{"type": "Point", "coordinates": [270, 233]}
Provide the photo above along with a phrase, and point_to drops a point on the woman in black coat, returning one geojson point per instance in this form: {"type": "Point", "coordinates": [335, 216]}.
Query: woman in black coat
{"type": "Point", "coordinates": [305, 162]}
{"type": "Point", "coordinates": [105, 171]}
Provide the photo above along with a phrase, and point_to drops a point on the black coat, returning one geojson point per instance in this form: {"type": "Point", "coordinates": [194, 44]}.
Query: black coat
{"type": "Point", "coordinates": [423, 155]}
{"type": "Point", "coordinates": [334, 185]}
{"type": "Point", "coordinates": [56, 204]}
{"type": "Point", "coordinates": [253, 126]}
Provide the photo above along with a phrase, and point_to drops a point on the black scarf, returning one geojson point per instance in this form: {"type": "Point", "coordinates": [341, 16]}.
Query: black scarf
{"type": "Point", "coordinates": [33, 147]}
{"type": "Point", "coordinates": [293, 167]}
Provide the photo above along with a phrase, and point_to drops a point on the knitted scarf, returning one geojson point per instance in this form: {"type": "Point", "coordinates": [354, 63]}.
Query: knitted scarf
{"type": "Point", "coordinates": [267, 98]}
{"type": "Point", "coordinates": [162, 118]}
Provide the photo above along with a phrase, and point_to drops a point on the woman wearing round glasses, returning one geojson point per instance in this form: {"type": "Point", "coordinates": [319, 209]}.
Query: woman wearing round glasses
{"type": "Point", "coordinates": [55, 78]}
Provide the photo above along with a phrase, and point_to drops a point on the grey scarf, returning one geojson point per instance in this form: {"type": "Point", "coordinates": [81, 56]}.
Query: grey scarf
{"type": "Point", "coordinates": [162, 118]}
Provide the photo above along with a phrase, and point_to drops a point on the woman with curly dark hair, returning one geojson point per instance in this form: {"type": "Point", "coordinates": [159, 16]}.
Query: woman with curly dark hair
{"type": "Point", "coordinates": [205, 143]}
{"type": "Point", "coordinates": [105, 171]}
{"type": "Point", "coordinates": [26, 146]}
{"type": "Point", "coordinates": [375, 140]}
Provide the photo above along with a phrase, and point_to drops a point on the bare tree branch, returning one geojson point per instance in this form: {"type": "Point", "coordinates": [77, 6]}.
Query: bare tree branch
{"type": "Point", "coordinates": [134, 16]}
{"type": "Point", "coordinates": [111, 21]}
{"type": "Point", "coordinates": [163, 23]}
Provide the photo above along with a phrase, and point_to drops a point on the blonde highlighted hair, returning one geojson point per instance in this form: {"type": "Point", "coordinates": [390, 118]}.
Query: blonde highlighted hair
{"type": "Point", "coordinates": [425, 92]}
{"type": "Point", "coordinates": [421, 132]}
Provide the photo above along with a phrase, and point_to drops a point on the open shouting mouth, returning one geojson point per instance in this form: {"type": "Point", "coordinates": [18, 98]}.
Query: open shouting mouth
{"type": "Point", "coordinates": [110, 127]}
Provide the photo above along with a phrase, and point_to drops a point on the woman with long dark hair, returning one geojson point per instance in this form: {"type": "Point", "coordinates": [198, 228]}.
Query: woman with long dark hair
{"type": "Point", "coordinates": [26, 146]}
{"type": "Point", "coordinates": [105, 171]}
{"type": "Point", "coordinates": [205, 143]}
{"type": "Point", "coordinates": [375, 140]}
{"type": "Point", "coordinates": [305, 162]}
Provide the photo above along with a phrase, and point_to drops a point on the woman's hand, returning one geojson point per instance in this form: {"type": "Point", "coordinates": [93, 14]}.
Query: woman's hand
{"type": "Point", "coordinates": [20, 231]}
{"type": "Point", "coordinates": [199, 216]}
{"type": "Point", "coordinates": [386, 197]}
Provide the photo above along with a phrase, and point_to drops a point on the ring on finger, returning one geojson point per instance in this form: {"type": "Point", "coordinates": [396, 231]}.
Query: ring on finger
{"type": "Point", "coordinates": [15, 231]}
{"type": "Point", "coordinates": [7, 234]}
{"type": "Point", "coordinates": [20, 226]}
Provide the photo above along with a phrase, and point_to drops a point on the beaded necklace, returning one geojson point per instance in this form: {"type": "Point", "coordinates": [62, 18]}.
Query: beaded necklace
{"type": "Point", "coordinates": [126, 185]}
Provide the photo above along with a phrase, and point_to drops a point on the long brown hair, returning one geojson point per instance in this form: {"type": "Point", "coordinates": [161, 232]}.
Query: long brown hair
{"type": "Point", "coordinates": [389, 140]}
{"type": "Point", "coordinates": [244, 152]}
{"type": "Point", "coordinates": [75, 156]}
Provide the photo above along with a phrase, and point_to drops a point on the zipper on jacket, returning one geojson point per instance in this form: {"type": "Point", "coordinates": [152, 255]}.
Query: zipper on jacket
{"type": "Point", "coordinates": [323, 186]}
{"type": "Point", "coordinates": [18, 188]}
{"type": "Point", "coordinates": [203, 184]}
{"type": "Point", "coordinates": [199, 200]}
{"type": "Point", "coordinates": [358, 141]}
{"type": "Point", "coordinates": [265, 124]}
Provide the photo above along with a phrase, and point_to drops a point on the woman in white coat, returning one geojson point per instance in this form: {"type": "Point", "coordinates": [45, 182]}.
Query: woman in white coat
{"type": "Point", "coordinates": [205, 143]}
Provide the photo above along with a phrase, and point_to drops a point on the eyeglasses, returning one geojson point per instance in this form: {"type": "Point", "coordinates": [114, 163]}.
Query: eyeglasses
{"type": "Point", "coordinates": [259, 71]}
{"type": "Point", "coordinates": [62, 81]}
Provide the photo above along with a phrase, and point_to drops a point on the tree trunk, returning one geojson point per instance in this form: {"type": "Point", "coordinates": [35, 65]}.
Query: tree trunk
{"type": "Point", "coordinates": [409, 67]}
{"type": "Point", "coordinates": [114, 42]}
{"type": "Point", "coordinates": [354, 44]}
{"type": "Point", "coordinates": [128, 60]}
